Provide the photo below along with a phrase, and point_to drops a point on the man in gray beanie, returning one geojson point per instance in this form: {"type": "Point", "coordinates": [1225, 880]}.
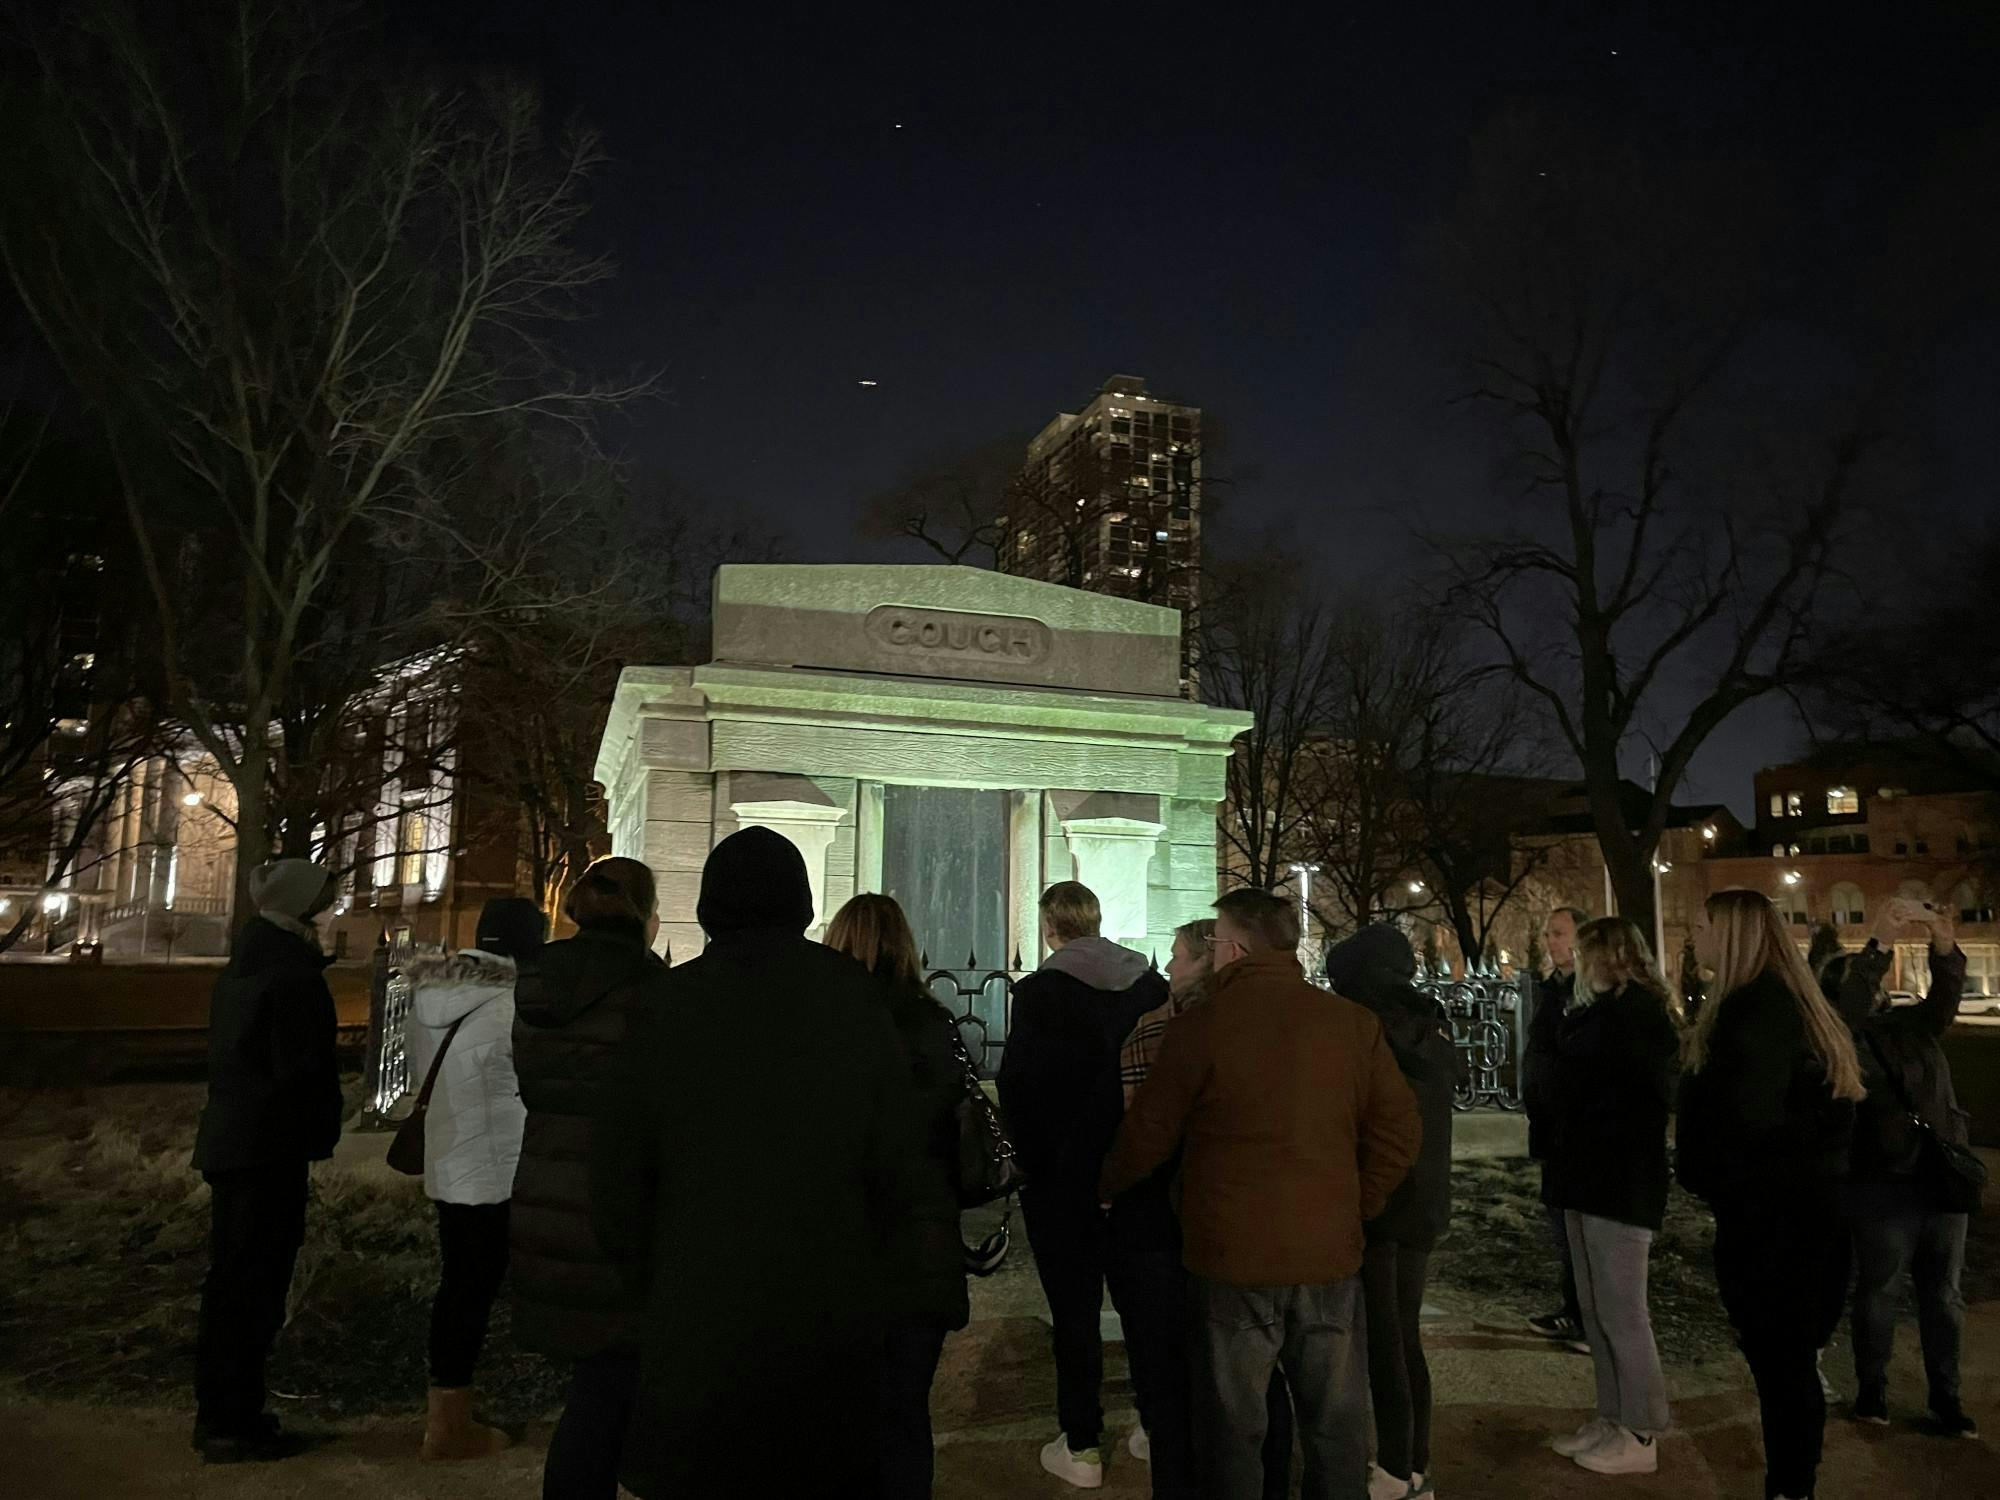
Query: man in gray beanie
{"type": "Point", "coordinates": [273, 1108]}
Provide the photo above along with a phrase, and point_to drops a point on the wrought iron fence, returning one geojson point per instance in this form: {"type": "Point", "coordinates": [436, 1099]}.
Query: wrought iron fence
{"type": "Point", "coordinates": [1488, 1016]}
{"type": "Point", "coordinates": [981, 1001]}
{"type": "Point", "coordinates": [385, 1068]}
{"type": "Point", "coordinates": [1487, 1013]}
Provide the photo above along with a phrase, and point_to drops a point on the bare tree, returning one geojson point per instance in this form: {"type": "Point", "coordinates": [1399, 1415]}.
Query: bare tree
{"type": "Point", "coordinates": [296, 288]}
{"type": "Point", "coordinates": [953, 505]}
{"type": "Point", "coordinates": [1675, 535]}
{"type": "Point", "coordinates": [1264, 633]}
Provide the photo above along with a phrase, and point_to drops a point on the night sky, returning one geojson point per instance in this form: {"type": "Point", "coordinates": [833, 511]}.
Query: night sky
{"type": "Point", "coordinates": [988, 213]}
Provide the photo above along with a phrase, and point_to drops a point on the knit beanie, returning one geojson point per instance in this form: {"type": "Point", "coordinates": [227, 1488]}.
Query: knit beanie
{"type": "Point", "coordinates": [1375, 958]}
{"type": "Point", "coordinates": [294, 888]}
{"type": "Point", "coordinates": [754, 880]}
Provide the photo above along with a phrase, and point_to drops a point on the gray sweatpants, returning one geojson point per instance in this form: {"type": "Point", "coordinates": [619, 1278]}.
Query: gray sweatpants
{"type": "Point", "coordinates": [1611, 1263]}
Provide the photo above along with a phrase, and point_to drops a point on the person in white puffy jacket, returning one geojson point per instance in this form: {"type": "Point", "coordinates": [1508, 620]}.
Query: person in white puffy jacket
{"type": "Point", "coordinates": [472, 1141]}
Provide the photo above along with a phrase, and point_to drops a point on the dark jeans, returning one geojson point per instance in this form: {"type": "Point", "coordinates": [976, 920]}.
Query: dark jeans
{"type": "Point", "coordinates": [1278, 1429]}
{"type": "Point", "coordinates": [1930, 1248]}
{"type": "Point", "coordinates": [589, 1438]}
{"type": "Point", "coordinates": [1150, 1289]}
{"type": "Point", "coordinates": [1782, 1270]}
{"type": "Point", "coordinates": [910, 1362]}
{"type": "Point", "coordinates": [1399, 1377]}
{"type": "Point", "coordinates": [1072, 1250]}
{"type": "Point", "coordinates": [472, 1243]}
{"type": "Point", "coordinates": [257, 1222]}
{"type": "Point", "coordinates": [1572, 1306]}
{"type": "Point", "coordinates": [1312, 1333]}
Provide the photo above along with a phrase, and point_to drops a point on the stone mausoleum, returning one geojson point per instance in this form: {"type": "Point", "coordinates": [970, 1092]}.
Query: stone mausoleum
{"type": "Point", "coordinates": [956, 738]}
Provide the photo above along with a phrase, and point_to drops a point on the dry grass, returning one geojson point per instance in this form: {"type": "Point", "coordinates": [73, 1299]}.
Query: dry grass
{"type": "Point", "coordinates": [103, 1228]}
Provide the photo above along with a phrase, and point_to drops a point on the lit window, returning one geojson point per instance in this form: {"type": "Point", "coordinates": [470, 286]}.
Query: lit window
{"type": "Point", "coordinates": [1777, 851]}
{"type": "Point", "coordinates": [1159, 536]}
{"type": "Point", "coordinates": [1846, 906]}
{"type": "Point", "coordinates": [1842, 800]}
{"type": "Point", "coordinates": [1777, 804]}
{"type": "Point", "coordinates": [1795, 804]}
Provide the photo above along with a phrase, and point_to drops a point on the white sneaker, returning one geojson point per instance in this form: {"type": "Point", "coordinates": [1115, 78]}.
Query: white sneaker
{"type": "Point", "coordinates": [1085, 1470]}
{"type": "Point", "coordinates": [1586, 1437]}
{"type": "Point", "coordinates": [1421, 1488]}
{"type": "Point", "coordinates": [1382, 1485]}
{"type": "Point", "coordinates": [1140, 1445]}
{"type": "Point", "coordinates": [1622, 1452]}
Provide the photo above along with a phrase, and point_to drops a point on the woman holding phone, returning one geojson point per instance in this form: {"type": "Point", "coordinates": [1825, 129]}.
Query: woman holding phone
{"type": "Point", "coordinates": [1904, 1219]}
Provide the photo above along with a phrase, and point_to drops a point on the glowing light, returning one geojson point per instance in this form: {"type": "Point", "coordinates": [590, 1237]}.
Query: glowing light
{"type": "Point", "coordinates": [192, 799]}
{"type": "Point", "coordinates": [1708, 832]}
{"type": "Point", "coordinates": [1792, 877]}
{"type": "Point", "coordinates": [874, 382]}
{"type": "Point", "coordinates": [1416, 887]}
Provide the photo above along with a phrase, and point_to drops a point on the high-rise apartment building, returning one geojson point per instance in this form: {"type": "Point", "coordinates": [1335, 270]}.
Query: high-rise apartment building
{"type": "Point", "coordinates": [1110, 500]}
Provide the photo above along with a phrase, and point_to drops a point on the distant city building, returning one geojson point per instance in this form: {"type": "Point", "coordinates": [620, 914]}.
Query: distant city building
{"type": "Point", "coordinates": [1109, 500]}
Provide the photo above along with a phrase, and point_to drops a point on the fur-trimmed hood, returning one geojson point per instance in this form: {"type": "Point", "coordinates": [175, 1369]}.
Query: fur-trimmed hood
{"type": "Point", "coordinates": [450, 986]}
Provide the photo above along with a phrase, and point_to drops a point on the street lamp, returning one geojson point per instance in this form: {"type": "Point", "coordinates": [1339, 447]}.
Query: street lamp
{"type": "Point", "coordinates": [1792, 877]}
{"type": "Point", "coordinates": [192, 799]}
{"type": "Point", "coordinates": [1416, 887]}
{"type": "Point", "coordinates": [1304, 875]}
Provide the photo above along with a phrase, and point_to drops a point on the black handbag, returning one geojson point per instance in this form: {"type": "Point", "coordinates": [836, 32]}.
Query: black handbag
{"type": "Point", "coordinates": [987, 1166]}
{"type": "Point", "coordinates": [406, 1146]}
{"type": "Point", "coordinates": [1952, 1171]}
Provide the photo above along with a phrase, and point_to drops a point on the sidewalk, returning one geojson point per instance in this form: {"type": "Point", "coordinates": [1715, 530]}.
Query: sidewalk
{"type": "Point", "coordinates": [1499, 1399]}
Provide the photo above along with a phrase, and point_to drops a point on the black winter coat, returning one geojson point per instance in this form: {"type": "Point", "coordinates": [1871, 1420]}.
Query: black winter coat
{"type": "Point", "coordinates": [573, 1011]}
{"type": "Point", "coordinates": [761, 1179]}
{"type": "Point", "coordinates": [1759, 1125]}
{"type": "Point", "coordinates": [1883, 1167]}
{"type": "Point", "coordinates": [1617, 1060]}
{"type": "Point", "coordinates": [1538, 1060]}
{"type": "Point", "coordinates": [273, 1082]}
{"type": "Point", "coordinates": [937, 1297]}
{"type": "Point", "coordinates": [1059, 1082]}
{"type": "Point", "coordinates": [1419, 1034]}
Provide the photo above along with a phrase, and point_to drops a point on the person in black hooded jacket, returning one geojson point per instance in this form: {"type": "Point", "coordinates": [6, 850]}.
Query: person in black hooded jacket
{"type": "Point", "coordinates": [1374, 968]}
{"type": "Point", "coordinates": [1059, 1086]}
{"type": "Point", "coordinates": [872, 930]}
{"type": "Point", "coordinates": [1902, 1225]}
{"type": "Point", "coordinates": [574, 1010]}
{"type": "Point", "coordinates": [761, 1179]}
{"type": "Point", "coordinates": [273, 1108]}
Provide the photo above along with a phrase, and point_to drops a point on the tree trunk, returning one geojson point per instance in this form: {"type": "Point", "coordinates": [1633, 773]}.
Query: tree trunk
{"type": "Point", "coordinates": [253, 831]}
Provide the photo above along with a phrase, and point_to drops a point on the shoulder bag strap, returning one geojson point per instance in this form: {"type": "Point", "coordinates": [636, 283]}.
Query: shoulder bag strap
{"type": "Point", "coordinates": [431, 1078]}
{"type": "Point", "coordinates": [1895, 1081]}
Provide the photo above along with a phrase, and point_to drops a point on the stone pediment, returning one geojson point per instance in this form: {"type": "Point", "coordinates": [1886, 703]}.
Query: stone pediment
{"type": "Point", "coordinates": [964, 624]}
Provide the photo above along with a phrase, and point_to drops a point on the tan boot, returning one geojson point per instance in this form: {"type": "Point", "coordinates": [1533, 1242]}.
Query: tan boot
{"type": "Point", "coordinates": [450, 1431]}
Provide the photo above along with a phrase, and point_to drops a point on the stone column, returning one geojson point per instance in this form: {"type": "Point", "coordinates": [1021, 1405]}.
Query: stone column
{"type": "Point", "coordinates": [1112, 857]}
{"type": "Point", "coordinates": [810, 826]}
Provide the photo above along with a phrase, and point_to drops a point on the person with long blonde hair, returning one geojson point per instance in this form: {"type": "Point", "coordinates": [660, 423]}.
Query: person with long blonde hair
{"type": "Point", "coordinates": [1615, 1061]}
{"type": "Point", "coordinates": [1768, 1094]}
{"type": "Point", "coordinates": [872, 930]}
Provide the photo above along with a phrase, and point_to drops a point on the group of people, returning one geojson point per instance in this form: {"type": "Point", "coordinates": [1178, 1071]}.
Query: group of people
{"type": "Point", "coordinates": [1807, 1114]}
{"type": "Point", "coordinates": [1257, 1171]}
{"type": "Point", "coordinates": [726, 1193]}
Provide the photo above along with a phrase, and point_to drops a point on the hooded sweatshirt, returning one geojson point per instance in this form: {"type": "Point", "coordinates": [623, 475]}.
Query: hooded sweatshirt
{"type": "Point", "coordinates": [1059, 1073]}
{"type": "Point", "coordinates": [1375, 968]}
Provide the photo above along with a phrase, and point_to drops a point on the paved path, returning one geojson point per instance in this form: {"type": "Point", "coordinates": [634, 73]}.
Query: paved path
{"type": "Point", "coordinates": [1500, 1398]}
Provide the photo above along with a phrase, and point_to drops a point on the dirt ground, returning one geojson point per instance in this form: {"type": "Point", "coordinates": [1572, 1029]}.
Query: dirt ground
{"type": "Point", "coordinates": [101, 1232]}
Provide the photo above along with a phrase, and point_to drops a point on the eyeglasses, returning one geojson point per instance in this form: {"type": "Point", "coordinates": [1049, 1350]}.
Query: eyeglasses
{"type": "Point", "coordinates": [1216, 942]}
